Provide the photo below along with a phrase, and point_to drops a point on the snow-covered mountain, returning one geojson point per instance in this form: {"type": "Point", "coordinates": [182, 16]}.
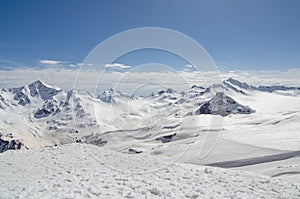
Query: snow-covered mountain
{"type": "Point", "coordinates": [231, 125]}
{"type": "Point", "coordinates": [37, 114]}
{"type": "Point", "coordinates": [37, 89]}
{"type": "Point", "coordinates": [223, 105]}
{"type": "Point", "coordinates": [240, 87]}
{"type": "Point", "coordinates": [54, 116]}
{"type": "Point", "coordinates": [110, 95]}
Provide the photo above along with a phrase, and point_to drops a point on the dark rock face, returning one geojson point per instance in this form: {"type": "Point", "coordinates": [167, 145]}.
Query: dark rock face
{"type": "Point", "coordinates": [197, 87]}
{"type": "Point", "coordinates": [3, 145]}
{"type": "Point", "coordinates": [39, 88]}
{"type": "Point", "coordinates": [107, 96]}
{"type": "Point", "coordinates": [134, 151]}
{"type": "Point", "coordinates": [166, 138]}
{"type": "Point", "coordinates": [169, 90]}
{"type": "Point", "coordinates": [223, 105]}
{"type": "Point", "coordinates": [278, 88]}
{"type": "Point", "coordinates": [21, 98]}
{"type": "Point", "coordinates": [93, 139]}
{"type": "Point", "coordinates": [9, 145]}
{"type": "Point", "coordinates": [204, 109]}
{"type": "Point", "coordinates": [49, 107]}
{"type": "Point", "coordinates": [3, 101]}
{"type": "Point", "coordinates": [42, 113]}
{"type": "Point", "coordinates": [110, 95]}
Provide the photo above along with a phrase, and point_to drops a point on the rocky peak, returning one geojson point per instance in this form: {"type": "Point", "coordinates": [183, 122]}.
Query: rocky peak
{"type": "Point", "coordinates": [221, 104]}
{"type": "Point", "coordinates": [43, 90]}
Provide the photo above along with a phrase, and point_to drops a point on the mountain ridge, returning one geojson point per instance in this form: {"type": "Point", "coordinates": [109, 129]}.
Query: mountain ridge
{"type": "Point", "coordinates": [66, 116]}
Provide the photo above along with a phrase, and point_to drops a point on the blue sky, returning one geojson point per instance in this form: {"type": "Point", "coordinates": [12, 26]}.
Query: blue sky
{"type": "Point", "coordinates": [239, 35]}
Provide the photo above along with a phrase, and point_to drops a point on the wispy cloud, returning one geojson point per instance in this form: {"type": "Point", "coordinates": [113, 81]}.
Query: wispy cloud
{"type": "Point", "coordinates": [50, 62]}
{"type": "Point", "coordinates": [116, 65]}
{"type": "Point", "coordinates": [188, 66]}
{"type": "Point", "coordinates": [10, 65]}
{"type": "Point", "coordinates": [72, 65]}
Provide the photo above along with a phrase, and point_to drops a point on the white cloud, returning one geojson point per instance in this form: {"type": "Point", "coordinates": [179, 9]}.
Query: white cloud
{"type": "Point", "coordinates": [188, 66]}
{"type": "Point", "coordinates": [82, 64]}
{"type": "Point", "coordinates": [72, 65]}
{"type": "Point", "coordinates": [54, 63]}
{"type": "Point", "coordinates": [49, 62]}
{"type": "Point", "coordinates": [116, 65]}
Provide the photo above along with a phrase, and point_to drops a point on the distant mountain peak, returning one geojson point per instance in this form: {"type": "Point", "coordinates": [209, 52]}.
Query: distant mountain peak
{"type": "Point", "coordinates": [42, 89]}
{"type": "Point", "coordinates": [37, 88]}
{"type": "Point", "coordinates": [40, 83]}
{"type": "Point", "coordinates": [197, 87]}
{"type": "Point", "coordinates": [221, 104]}
{"type": "Point", "coordinates": [109, 95]}
{"type": "Point", "coordinates": [169, 90]}
{"type": "Point", "coordinates": [233, 82]}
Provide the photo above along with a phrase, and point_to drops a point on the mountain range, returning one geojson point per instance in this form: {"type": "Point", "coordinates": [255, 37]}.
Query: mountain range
{"type": "Point", "coordinates": [47, 115]}
{"type": "Point", "coordinates": [231, 125]}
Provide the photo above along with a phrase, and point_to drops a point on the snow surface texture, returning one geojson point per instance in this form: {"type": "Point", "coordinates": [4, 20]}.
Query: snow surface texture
{"type": "Point", "coordinates": [259, 133]}
{"type": "Point", "coordinates": [70, 171]}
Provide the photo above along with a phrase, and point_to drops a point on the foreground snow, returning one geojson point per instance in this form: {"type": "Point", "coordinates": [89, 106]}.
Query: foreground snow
{"type": "Point", "coordinates": [82, 170]}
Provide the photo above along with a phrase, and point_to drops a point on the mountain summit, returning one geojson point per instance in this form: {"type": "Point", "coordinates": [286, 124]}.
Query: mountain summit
{"type": "Point", "coordinates": [223, 105]}
{"type": "Point", "coordinates": [35, 89]}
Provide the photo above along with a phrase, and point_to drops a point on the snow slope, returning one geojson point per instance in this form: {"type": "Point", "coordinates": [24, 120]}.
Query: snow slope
{"type": "Point", "coordinates": [81, 170]}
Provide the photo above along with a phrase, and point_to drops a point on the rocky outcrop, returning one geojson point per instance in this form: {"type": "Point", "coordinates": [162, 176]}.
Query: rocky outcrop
{"type": "Point", "coordinates": [166, 138]}
{"type": "Point", "coordinates": [223, 105]}
{"type": "Point", "coordinates": [49, 107]}
{"type": "Point", "coordinates": [9, 145]}
{"type": "Point", "coordinates": [110, 95]}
